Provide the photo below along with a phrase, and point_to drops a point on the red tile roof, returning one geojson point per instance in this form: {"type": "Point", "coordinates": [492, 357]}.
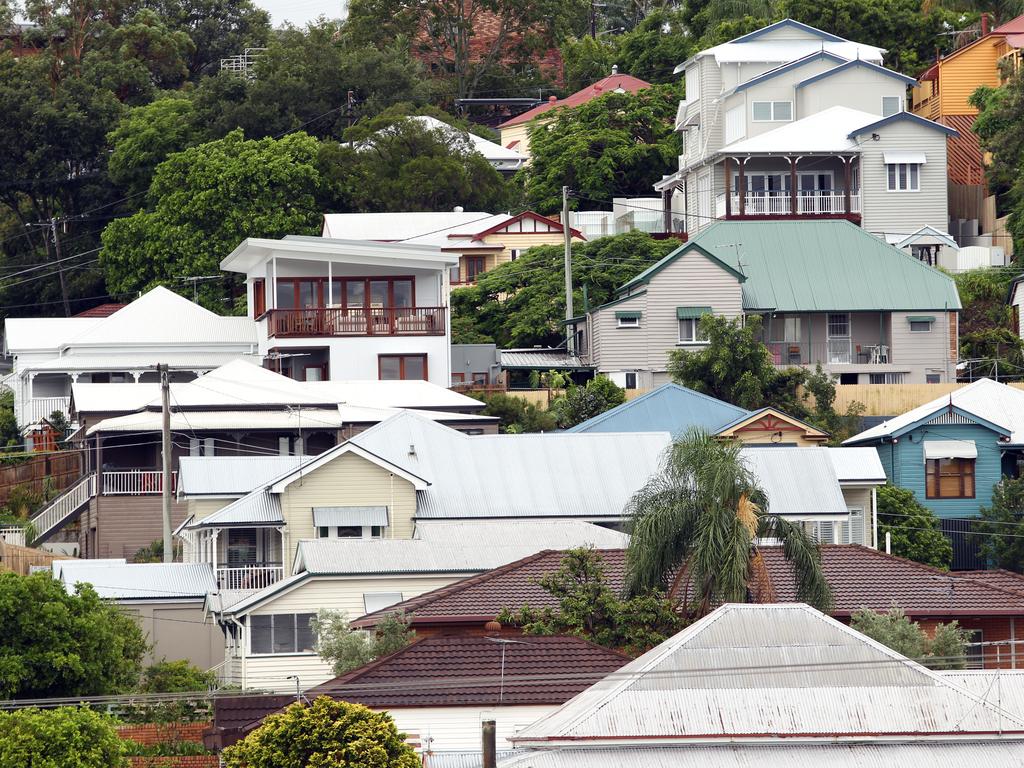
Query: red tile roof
{"type": "Point", "coordinates": [1012, 27]}
{"type": "Point", "coordinates": [466, 671]}
{"type": "Point", "coordinates": [478, 599]}
{"type": "Point", "coordinates": [103, 310]}
{"type": "Point", "coordinates": [615, 82]}
{"type": "Point", "coordinates": [861, 577]}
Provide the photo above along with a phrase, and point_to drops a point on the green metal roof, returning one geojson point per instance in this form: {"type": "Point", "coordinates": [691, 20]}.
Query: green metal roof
{"type": "Point", "coordinates": [818, 266]}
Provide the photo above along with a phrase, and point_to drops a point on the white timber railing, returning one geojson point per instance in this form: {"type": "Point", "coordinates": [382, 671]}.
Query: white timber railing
{"type": "Point", "coordinates": [249, 576]}
{"type": "Point", "coordinates": [61, 509]}
{"type": "Point", "coordinates": [36, 408]}
{"type": "Point", "coordinates": [136, 482]}
{"type": "Point", "coordinates": [13, 534]}
{"type": "Point", "coordinates": [780, 203]}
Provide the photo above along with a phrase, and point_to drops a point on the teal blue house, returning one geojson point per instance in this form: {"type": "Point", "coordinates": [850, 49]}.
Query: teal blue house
{"type": "Point", "coordinates": [952, 451]}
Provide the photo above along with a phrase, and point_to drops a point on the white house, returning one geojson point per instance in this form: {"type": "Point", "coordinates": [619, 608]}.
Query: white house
{"type": "Point", "coordinates": [348, 309]}
{"type": "Point", "coordinates": [792, 122]}
{"type": "Point", "coordinates": [52, 353]}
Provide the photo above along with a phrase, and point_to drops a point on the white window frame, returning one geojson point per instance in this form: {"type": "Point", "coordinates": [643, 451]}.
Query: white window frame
{"type": "Point", "coordinates": [273, 616]}
{"type": "Point", "coordinates": [911, 180]}
{"type": "Point", "coordinates": [379, 601]}
{"type": "Point", "coordinates": [367, 532]}
{"type": "Point", "coordinates": [693, 338]}
{"type": "Point", "coordinates": [771, 109]}
{"type": "Point", "coordinates": [900, 106]}
{"type": "Point", "coordinates": [628, 322]}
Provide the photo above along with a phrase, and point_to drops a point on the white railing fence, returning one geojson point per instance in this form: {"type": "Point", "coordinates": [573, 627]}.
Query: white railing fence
{"type": "Point", "coordinates": [249, 576]}
{"type": "Point", "coordinates": [136, 482]}
{"type": "Point", "coordinates": [780, 203]}
{"type": "Point", "coordinates": [13, 534]}
{"type": "Point", "coordinates": [36, 408]}
{"type": "Point", "coordinates": [63, 507]}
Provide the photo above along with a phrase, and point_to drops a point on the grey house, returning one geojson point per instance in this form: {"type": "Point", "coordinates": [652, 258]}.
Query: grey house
{"type": "Point", "coordinates": [827, 292]}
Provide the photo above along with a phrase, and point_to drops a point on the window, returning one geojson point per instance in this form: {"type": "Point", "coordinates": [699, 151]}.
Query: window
{"type": "Point", "coordinates": [628, 319]}
{"type": "Point", "coordinates": [513, 254]}
{"type": "Point", "coordinates": [771, 111]}
{"type": "Point", "coordinates": [690, 332]}
{"type": "Point", "coordinates": [932, 378]}
{"type": "Point", "coordinates": [241, 546]}
{"type": "Point", "coordinates": [201, 446]}
{"type": "Point", "coordinates": [838, 324]}
{"type": "Point", "coordinates": [350, 531]}
{"type": "Point", "coordinates": [920, 324]}
{"type": "Point", "coordinates": [630, 381]}
{"type": "Point", "coordinates": [458, 378]}
{"type": "Point", "coordinates": [735, 124]}
{"type": "Point", "coordinates": [891, 105]}
{"type": "Point", "coordinates": [885, 378]}
{"type": "Point", "coordinates": [949, 478]}
{"type": "Point", "coordinates": [402, 367]}
{"type": "Point", "coordinates": [791, 329]}
{"type": "Point", "coordinates": [481, 379]}
{"type": "Point", "coordinates": [692, 78]}
{"type": "Point", "coordinates": [375, 601]}
{"type": "Point", "coordinates": [474, 267]}
{"type": "Point", "coordinates": [975, 651]}
{"type": "Point", "coordinates": [259, 297]}
{"type": "Point", "coordinates": [345, 292]}
{"type": "Point", "coordinates": [904, 177]}
{"type": "Point", "coordinates": [282, 633]}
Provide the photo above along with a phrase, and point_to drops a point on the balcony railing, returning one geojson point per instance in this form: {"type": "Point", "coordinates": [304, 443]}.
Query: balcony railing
{"type": "Point", "coordinates": [36, 408]}
{"type": "Point", "coordinates": [832, 352]}
{"type": "Point", "coordinates": [780, 203]}
{"type": "Point", "coordinates": [254, 576]}
{"type": "Point", "coordinates": [376, 321]}
{"type": "Point", "coordinates": [136, 482]}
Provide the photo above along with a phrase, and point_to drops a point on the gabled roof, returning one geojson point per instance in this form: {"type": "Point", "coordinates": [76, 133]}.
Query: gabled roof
{"type": "Point", "coordinates": [857, 64]}
{"type": "Point", "coordinates": [230, 475]}
{"type": "Point", "coordinates": [788, 67]}
{"type": "Point", "coordinates": [492, 152]}
{"type": "Point", "coordinates": [612, 83]}
{"type": "Point", "coordinates": [120, 580]}
{"type": "Point", "coordinates": [645, 276]}
{"type": "Point", "coordinates": [254, 509]}
{"type": "Point", "coordinates": [857, 465]}
{"type": "Point", "coordinates": [816, 494]}
{"type": "Point", "coordinates": [928, 235]}
{"type": "Point", "coordinates": [476, 671]}
{"type": "Point", "coordinates": [780, 420]}
{"type": "Point", "coordinates": [791, 24]}
{"type": "Point", "coordinates": [254, 251]}
{"type": "Point", "coordinates": [669, 408]}
{"type": "Point", "coordinates": [987, 402]}
{"type": "Point", "coordinates": [755, 673]}
{"type": "Point", "coordinates": [102, 310]}
{"type": "Point", "coordinates": [903, 117]}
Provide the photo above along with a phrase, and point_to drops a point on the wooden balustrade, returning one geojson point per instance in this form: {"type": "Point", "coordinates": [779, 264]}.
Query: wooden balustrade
{"type": "Point", "coordinates": [375, 321]}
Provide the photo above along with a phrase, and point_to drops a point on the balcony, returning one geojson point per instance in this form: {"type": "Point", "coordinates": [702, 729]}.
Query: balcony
{"type": "Point", "coordinates": [251, 576]}
{"type": "Point", "coordinates": [37, 408]}
{"type": "Point", "coordinates": [136, 482]}
{"type": "Point", "coordinates": [375, 321]}
{"type": "Point", "coordinates": [832, 352]}
{"type": "Point", "coordinates": [781, 203]}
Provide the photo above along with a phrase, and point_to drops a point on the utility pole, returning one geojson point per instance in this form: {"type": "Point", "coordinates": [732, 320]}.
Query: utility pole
{"type": "Point", "coordinates": [165, 397]}
{"type": "Point", "coordinates": [60, 267]}
{"type": "Point", "coordinates": [570, 341]}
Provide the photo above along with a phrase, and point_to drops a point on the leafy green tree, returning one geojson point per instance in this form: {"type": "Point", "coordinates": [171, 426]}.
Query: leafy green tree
{"type": "Point", "coordinates": [945, 649]}
{"type": "Point", "coordinates": [515, 414]}
{"type": "Point", "coordinates": [616, 145]}
{"type": "Point", "coordinates": [1004, 516]}
{"type": "Point", "coordinates": [522, 303]}
{"type": "Point", "coordinates": [914, 529]}
{"type": "Point", "coordinates": [578, 404]}
{"type": "Point", "coordinates": [586, 60]}
{"type": "Point", "coordinates": [695, 523]}
{"type": "Point", "coordinates": [348, 648]}
{"type": "Point", "coordinates": [326, 732]}
{"type": "Point", "coordinates": [177, 676]}
{"type": "Point", "coordinates": [655, 46]}
{"type": "Point", "coordinates": [10, 434]}
{"type": "Point", "coordinates": [60, 644]}
{"type": "Point", "coordinates": [588, 607]}
{"type": "Point", "coordinates": [63, 737]}
{"type": "Point", "coordinates": [986, 326]}
{"type": "Point", "coordinates": [205, 201]}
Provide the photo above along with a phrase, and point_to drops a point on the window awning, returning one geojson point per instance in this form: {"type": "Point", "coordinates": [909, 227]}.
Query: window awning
{"type": "Point", "coordinates": [690, 313]}
{"type": "Point", "coordinates": [904, 157]}
{"type": "Point", "coordinates": [627, 315]}
{"type": "Point", "coordinates": [921, 319]}
{"type": "Point", "coordinates": [331, 516]}
{"type": "Point", "coordinates": [950, 449]}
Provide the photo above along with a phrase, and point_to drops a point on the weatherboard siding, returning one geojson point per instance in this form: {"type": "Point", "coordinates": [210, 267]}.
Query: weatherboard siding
{"type": "Point", "coordinates": [459, 728]}
{"type": "Point", "coordinates": [922, 352]}
{"type": "Point", "coordinates": [125, 524]}
{"type": "Point", "coordinates": [346, 481]}
{"type": "Point", "coordinates": [971, 68]}
{"type": "Point", "coordinates": [615, 348]}
{"type": "Point", "coordinates": [203, 508]}
{"type": "Point", "coordinates": [855, 88]}
{"type": "Point", "coordinates": [892, 212]}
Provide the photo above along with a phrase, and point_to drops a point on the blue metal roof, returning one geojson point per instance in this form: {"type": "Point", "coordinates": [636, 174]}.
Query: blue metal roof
{"type": "Point", "coordinates": [669, 408]}
{"type": "Point", "coordinates": [772, 73]}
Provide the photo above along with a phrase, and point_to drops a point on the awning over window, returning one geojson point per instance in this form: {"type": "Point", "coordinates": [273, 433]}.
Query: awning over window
{"type": "Point", "coordinates": [690, 313]}
{"type": "Point", "coordinates": [921, 319]}
{"type": "Point", "coordinates": [627, 315]}
{"type": "Point", "coordinates": [950, 449]}
{"type": "Point", "coordinates": [904, 157]}
{"type": "Point", "coordinates": [332, 516]}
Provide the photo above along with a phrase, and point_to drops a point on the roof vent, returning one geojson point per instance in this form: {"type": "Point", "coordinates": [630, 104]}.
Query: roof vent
{"type": "Point", "coordinates": [412, 449]}
{"type": "Point", "coordinates": [615, 69]}
{"type": "Point", "coordinates": [492, 626]}
{"type": "Point", "coordinates": [552, 99]}
{"type": "Point", "coordinates": [458, 209]}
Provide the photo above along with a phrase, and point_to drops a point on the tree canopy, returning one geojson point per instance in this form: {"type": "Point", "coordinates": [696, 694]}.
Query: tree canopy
{"type": "Point", "coordinates": [913, 528]}
{"type": "Point", "coordinates": [60, 644]}
{"type": "Point", "coordinates": [62, 737]}
{"type": "Point", "coordinates": [1005, 515]}
{"type": "Point", "coordinates": [944, 648]}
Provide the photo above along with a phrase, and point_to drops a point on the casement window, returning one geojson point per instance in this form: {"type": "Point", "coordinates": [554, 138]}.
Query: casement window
{"type": "Point", "coordinates": [259, 297]}
{"type": "Point", "coordinates": [513, 253]}
{"type": "Point", "coordinates": [771, 111]}
{"type": "Point", "coordinates": [949, 478]}
{"type": "Point", "coordinates": [891, 105]}
{"type": "Point", "coordinates": [377, 601]}
{"type": "Point", "coordinates": [349, 531]}
{"type": "Point", "coordinates": [627, 319]}
{"type": "Point", "coordinates": [689, 324]}
{"type": "Point", "coordinates": [345, 292]}
{"type": "Point", "coordinates": [402, 367]}
{"type": "Point", "coordinates": [903, 177]}
{"type": "Point", "coordinates": [475, 266]}
{"type": "Point", "coordinates": [920, 324]}
{"type": "Point", "coordinates": [282, 633]}
{"type": "Point", "coordinates": [202, 446]}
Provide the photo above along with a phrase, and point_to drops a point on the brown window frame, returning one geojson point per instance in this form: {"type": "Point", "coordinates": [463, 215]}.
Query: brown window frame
{"type": "Point", "coordinates": [401, 366]}
{"type": "Point", "coordinates": [480, 264]}
{"type": "Point", "coordinates": [933, 474]}
{"type": "Point", "coordinates": [341, 291]}
{"type": "Point", "coordinates": [259, 297]}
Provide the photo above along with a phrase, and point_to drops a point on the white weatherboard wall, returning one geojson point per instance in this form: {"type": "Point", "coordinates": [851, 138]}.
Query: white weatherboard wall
{"type": "Point", "coordinates": [856, 88]}
{"type": "Point", "coordinates": [459, 728]}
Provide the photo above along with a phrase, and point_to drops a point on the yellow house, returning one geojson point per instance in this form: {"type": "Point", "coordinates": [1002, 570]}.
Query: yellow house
{"type": "Point", "coordinates": [483, 240]}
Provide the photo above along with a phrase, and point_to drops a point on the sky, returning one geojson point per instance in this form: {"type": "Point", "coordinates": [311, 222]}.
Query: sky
{"type": "Point", "coordinates": [300, 12]}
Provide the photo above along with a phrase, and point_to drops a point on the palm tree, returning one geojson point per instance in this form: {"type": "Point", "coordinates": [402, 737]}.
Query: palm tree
{"type": "Point", "coordinates": [698, 521]}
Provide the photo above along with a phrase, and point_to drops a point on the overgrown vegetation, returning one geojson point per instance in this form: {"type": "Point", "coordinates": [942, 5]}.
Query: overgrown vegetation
{"type": "Point", "coordinates": [1004, 516]}
{"type": "Point", "coordinates": [913, 528]}
{"type": "Point", "coordinates": [177, 676]}
{"type": "Point", "coordinates": [945, 648]}
{"type": "Point", "coordinates": [347, 648]}
{"type": "Point", "coordinates": [63, 737]}
{"type": "Point", "coordinates": [580, 403]}
{"type": "Point", "coordinates": [515, 414]}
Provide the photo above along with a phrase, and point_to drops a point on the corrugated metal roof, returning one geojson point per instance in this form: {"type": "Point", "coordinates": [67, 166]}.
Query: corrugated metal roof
{"type": "Point", "coordinates": [453, 759]}
{"type": "Point", "coordinates": [231, 475]}
{"type": "Point", "coordinates": [343, 516]}
{"type": "Point", "coordinates": [257, 508]}
{"type": "Point", "coordinates": [115, 362]}
{"type": "Point", "coordinates": [989, 400]}
{"type": "Point", "coordinates": [22, 334]}
{"type": "Point", "coordinates": [1002, 754]}
{"type": "Point", "coordinates": [530, 475]}
{"type": "Point", "coordinates": [818, 266]}
{"type": "Point", "coordinates": [539, 359]}
{"type": "Point", "coordinates": [856, 464]}
{"type": "Point", "coordinates": [552, 534]}
{"type": "Point", "coordinates": [190, 421]}
{"type": "Point", "coordinates": [403, 225]}
{"type": "Point", "coordinates": [797, 481]}
{"type": "Point", "coordinates": [140, 581]}
{"type": "Point", "coordinates": [669, 408]}
{"type": "Point", "coordinates": [1002, 687]}
{"type": "Point", "coordinates": [764, 671]}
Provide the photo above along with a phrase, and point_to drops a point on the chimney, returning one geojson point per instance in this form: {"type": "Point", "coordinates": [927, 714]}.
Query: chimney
{"type": "Point", "coordinates": [984, 24]}
{"type": "Point", "coordinates": [490, 752]}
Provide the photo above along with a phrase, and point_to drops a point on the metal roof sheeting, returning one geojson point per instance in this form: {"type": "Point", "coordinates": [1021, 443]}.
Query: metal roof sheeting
{"type": "Point", "coordinates": [344, 516]}
{"type": "Point", "coordinates": [140, 581]}
{"type": "Point", "coordinates": [765, 671]}
{"type": "Point", "coordinates": [551, 534]}
{"type": "Point", "coordinates": [231, 475]}
{"type": "Point", "coordinates": [258, 508]}
{"type": "Point", "coordinates": [539, 359]}
{"type": "Point", "coordinates": [856, 464]}
{"type": "Point", "coordinates": [1002, 687]}
{"type": "Point", "coordinates": [797, 481]}
{"type": "Point", "coordinates": [669, 408]}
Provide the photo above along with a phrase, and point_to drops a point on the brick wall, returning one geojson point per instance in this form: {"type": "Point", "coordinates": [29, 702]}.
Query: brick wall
{"type": "Point", "coordinates": [178, 761]}
{"type": "Point", "coordinates": [149, 734]}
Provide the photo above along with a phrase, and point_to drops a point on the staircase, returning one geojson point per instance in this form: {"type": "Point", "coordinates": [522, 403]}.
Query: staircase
{"type": "Point", "coordinates": [59, 511]}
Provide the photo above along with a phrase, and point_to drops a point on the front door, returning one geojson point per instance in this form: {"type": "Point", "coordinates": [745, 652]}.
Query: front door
{"type": "Point", "coordinates": [840, 344]}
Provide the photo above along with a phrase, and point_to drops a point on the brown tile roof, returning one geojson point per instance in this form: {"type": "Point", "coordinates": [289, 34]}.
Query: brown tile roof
{"type": "Point", "coordinates": [103, 310]}
{"type": "Point", "coordinates": [232, 713]}
{"type": "Point", "coordinates": [861, 577]}
{"type": "Point", "coordinates": [466, 670]}
{"type": "Point", "coordinates": [615, 82]}
{"type": "Point", "coordinates": [478, 599]}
